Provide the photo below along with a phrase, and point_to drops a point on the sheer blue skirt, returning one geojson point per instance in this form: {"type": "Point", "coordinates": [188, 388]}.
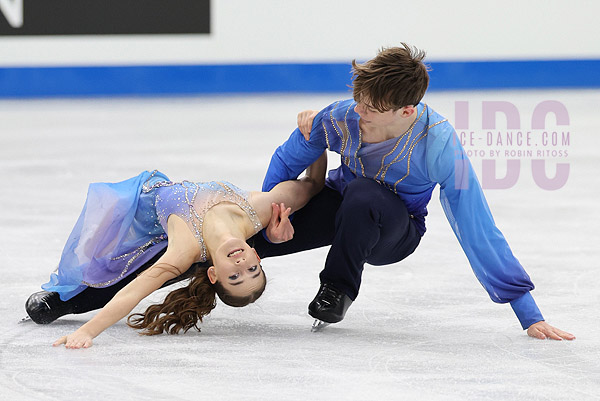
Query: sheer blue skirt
{"type": "Point", "coordinates": [117, 232]}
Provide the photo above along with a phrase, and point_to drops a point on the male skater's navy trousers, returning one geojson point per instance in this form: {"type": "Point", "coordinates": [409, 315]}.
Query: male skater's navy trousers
{"type": "Point", "coordinates": [368, 224]}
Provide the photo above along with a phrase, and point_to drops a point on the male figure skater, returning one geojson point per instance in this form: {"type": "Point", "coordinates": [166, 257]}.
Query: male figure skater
{"type": "Point", "coordinates": [394, 150]}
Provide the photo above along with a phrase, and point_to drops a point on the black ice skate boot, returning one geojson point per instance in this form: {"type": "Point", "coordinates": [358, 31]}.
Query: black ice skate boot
{"type": "Point", "coordinates": [45, 307]}
{"type": "Point", "coordinates": [330, 304]}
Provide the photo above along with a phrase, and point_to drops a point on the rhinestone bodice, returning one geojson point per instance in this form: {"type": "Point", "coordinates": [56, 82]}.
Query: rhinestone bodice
{"type": "Point", "coordinates": [191, 201]}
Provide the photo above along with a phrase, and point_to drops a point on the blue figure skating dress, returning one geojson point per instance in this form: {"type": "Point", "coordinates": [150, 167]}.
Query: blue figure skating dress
{"type": "Point", "coordinates": [123, 225]}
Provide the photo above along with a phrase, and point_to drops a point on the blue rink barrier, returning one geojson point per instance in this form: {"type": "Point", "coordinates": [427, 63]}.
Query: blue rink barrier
{"type": "Point", "coordinates": [31, 82]}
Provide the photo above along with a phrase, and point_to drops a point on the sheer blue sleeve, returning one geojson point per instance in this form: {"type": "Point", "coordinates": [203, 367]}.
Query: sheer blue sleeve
{"type": "Point", "coordinates": [467, 211]}
{"type": "Point", "coordinates": [295, 155]}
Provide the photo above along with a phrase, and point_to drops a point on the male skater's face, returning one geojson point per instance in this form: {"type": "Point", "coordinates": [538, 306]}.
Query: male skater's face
{"type": "Point", "coordinates": [372, 117]}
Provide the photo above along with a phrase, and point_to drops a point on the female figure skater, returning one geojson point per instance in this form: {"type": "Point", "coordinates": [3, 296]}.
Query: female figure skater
{"type": "Point", "coordinates": [123, 225]}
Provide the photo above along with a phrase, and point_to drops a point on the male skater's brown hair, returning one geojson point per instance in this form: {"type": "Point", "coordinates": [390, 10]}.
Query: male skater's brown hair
{"type": "Point", "coordinates": [395, 78]}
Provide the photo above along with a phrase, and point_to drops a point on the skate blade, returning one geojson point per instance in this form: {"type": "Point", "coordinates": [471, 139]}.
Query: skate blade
{"type": "Point", "coordinates": [25, 320]}
{"type": "Point", "coordinates": [318, 325]}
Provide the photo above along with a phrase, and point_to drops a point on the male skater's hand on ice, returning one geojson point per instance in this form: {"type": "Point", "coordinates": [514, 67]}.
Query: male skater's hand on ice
{"type": "Point", "coordinates": [280, 228]}
{"type": "Point", "coordinates": [305, 121]}
{"type": "Point", "coordinates": [79, 339]}
{"type": "Point", "coordinates": [543, 330]}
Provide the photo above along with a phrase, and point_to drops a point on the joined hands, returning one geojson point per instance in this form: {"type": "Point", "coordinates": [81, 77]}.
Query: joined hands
{"type": "Point", "coordinates": [280, 228]}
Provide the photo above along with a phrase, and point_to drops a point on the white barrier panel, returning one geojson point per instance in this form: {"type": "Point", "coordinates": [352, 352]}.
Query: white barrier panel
{"type": "Point", "coordinates": [270, 31]}
{"type": "Point", "coordinates": [154, 47]}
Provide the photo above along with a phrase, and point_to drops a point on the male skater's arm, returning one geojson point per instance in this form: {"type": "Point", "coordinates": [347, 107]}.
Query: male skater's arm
{"type": "Point", "coordinates": [492, 260]}
{"type": "Point", "coordinates": [287, 197]}
{"type": "Point", "coordinates": [295, 155]}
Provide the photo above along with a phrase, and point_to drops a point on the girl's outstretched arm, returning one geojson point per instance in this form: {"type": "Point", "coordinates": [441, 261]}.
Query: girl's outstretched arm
{"type": "Point", "coordinates": [182, 251]}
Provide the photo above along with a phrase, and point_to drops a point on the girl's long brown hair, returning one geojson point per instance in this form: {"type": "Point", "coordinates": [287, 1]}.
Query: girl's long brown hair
{"type": "Point", "coordinates": [184, 307]}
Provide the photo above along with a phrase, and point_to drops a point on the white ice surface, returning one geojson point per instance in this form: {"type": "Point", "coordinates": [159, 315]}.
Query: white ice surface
{"type": "Point", "coordinates": [420, 329]}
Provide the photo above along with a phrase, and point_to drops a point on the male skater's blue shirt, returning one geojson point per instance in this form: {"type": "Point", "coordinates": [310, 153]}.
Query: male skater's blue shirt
{"type": "Point", "coordinates": [429, 153]}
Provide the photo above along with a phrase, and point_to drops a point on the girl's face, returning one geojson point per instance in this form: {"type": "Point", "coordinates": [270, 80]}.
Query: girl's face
{"type": "Point", "coordinates": [237, 267]}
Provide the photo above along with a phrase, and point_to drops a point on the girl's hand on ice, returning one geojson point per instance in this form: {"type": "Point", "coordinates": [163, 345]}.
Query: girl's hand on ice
{"type": "Point", "coordinates": [79, 339]}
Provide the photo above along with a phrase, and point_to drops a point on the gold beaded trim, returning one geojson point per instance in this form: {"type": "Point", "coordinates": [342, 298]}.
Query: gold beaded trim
{"type": "Point", "coordinates": [409, 133]}
{"type": "Point", "coordinates": [346, 130]}
{"type": "Point", "coordinates": [333, 124]}
{"type": "Point", "coordinates": [326, 135]}
{"type": "Point", "coordinates": [402, 153]}
{"type": "Point", "coordinates": [410, 153]}
{"type": "Point", "coordinates": [362, 167]}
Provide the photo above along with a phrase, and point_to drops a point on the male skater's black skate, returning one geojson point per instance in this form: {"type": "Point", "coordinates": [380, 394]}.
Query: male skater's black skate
{"type": "Point", "coordinates": [329, 306]}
